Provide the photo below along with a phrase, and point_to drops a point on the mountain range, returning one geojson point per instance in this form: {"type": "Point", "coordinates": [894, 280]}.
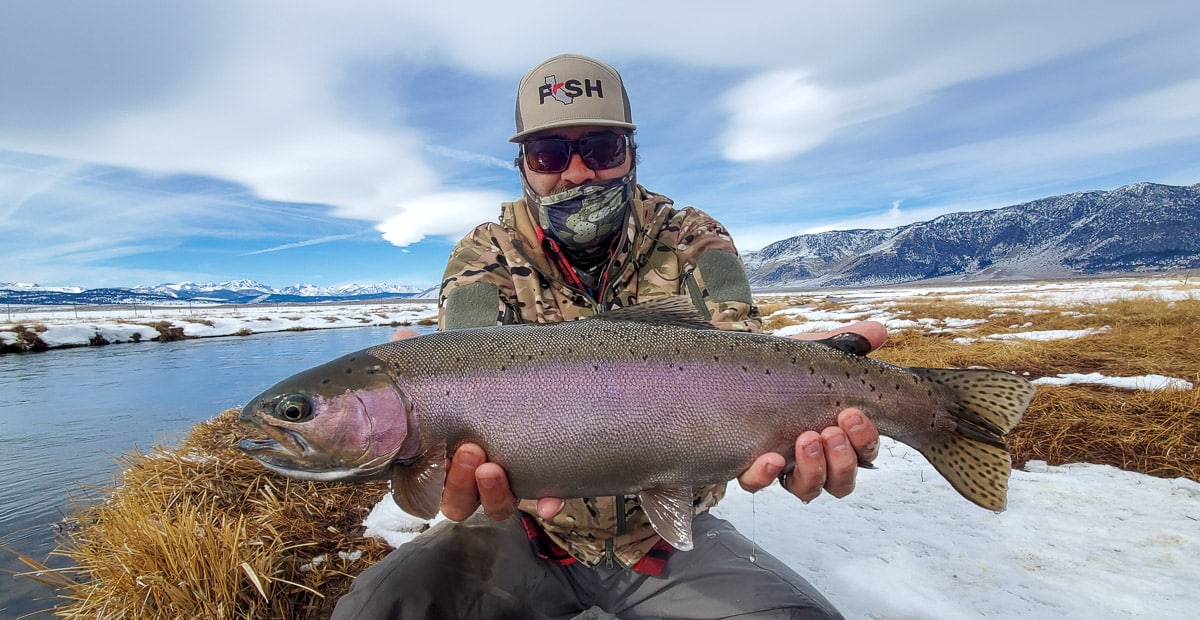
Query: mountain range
{"type": "Point", "coordinates": [234, 292]}
{"type": "Point", "coordinates": [1135, 228]}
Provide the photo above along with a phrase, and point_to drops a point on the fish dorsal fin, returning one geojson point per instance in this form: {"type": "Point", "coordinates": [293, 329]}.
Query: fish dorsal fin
{"type": "Point", "coordinates": [678, 311]}
{"type": "Point", "coordinates": [670, 512]}
{"type": "Point", "coordinates": [417, 487]}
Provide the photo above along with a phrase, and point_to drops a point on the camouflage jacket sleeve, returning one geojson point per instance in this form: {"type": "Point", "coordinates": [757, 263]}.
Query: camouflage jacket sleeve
{"type": "Point", "coordinates": [478, 269]}
{"type": "Point", "coordinates": [713, 272]}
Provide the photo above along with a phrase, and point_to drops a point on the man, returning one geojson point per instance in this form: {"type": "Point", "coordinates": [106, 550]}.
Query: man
{"type": "Point", "coordinates": [585, 238]}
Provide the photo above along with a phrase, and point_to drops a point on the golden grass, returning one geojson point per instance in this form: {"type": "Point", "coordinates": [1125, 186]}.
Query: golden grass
{"type": "Point", "coordinates": [1156, 433]}
{"type": "Point", "coordinates": [203, 531]}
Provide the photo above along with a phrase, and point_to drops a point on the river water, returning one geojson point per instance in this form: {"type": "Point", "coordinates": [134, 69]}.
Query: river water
{"type": "Point", "coordinates": [66, 414]}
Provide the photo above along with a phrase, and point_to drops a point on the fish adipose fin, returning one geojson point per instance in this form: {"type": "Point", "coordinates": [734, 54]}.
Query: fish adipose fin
{"type": "Point", "coordinates": [670, 512]}
{"type": "Point", "coordinates": [417, 486]}
{"type": "Point", "coordinates": [973, 457]}
{"type": "Point", "coordinates": [848, 342]}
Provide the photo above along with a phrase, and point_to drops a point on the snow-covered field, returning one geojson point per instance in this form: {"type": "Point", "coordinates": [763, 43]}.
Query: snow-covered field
{"type": "Point", "coordinates": [66, 327]}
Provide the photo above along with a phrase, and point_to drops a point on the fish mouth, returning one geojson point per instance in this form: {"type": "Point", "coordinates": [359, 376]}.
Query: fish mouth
{"type": "Point", "coordinates": [278, 458]}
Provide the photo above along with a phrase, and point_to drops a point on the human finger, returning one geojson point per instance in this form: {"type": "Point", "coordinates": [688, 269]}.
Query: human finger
{"type": "Point", "coordinates": [494, 494]}
{"type": "Point", "coordinates": [549, 507]}
{"type": "Point", "coordinates": [808, 477]}
{"type": "Point", "coordinates": [862, 433]}
{"type": "Point", "coordinates": [841, 462]}
{"type": "Point", "coordinates": [460, 496]}
{"type": "Point", "coordinates": [762, 472]}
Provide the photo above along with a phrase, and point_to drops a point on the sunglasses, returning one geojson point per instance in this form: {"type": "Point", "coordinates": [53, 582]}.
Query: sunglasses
{"type": "Point", "coordinates": [599, 151]}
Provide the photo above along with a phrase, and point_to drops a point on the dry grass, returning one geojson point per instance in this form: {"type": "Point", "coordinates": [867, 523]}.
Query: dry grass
{"type": "Point", "coordinates": [203, 531]}
{"type": "Point", "coordinates": [1156, 433]}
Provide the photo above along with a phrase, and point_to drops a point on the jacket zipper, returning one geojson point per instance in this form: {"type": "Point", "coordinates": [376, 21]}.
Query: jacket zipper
{"type": "Point", "coordinates": [610, 551]}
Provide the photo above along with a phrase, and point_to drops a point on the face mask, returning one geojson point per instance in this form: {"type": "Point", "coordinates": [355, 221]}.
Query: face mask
{"type": "Point", "coordinates": [587, 216]}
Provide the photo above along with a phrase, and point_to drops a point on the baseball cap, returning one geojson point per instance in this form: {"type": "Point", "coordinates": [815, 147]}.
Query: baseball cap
{"type": "Point", "coordinates": [567, 90]}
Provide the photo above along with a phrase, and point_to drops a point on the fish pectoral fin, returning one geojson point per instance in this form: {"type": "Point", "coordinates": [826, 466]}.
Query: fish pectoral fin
{"type": "Point", "coordinates": [670, 510]}
{"type": "Point", "coordinates": [417, 487]}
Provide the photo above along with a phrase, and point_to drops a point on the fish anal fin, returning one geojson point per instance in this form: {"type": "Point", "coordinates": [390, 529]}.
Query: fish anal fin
{"type": "Point", "coordinates": [670, 512]}
{"type": "Point", "coordinates": [417, 487]}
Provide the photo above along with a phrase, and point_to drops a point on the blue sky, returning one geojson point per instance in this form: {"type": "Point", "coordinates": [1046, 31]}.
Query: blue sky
{"type": "Point", "coordinates": [323, 143]}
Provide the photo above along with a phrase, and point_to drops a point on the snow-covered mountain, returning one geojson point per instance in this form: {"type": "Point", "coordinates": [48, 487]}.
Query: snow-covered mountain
{"type": "Point", "coordinates": [1142, 227]}
{"type": "Point", "coordinates": [235, 291]}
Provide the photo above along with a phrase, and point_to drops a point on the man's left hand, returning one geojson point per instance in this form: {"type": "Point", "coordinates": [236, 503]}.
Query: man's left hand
{"type": "Point", "coordinates": [827, 460]}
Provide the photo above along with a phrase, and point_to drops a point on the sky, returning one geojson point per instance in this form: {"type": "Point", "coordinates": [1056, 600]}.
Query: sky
{"type": "Point", "coordinates": [149, 142]}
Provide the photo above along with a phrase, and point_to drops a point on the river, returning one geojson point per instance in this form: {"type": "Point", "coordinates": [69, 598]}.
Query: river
{"type": "Point", "coordinates": [66, 414]}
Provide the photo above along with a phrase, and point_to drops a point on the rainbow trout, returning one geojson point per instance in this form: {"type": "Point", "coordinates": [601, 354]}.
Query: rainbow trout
{"type": "Point", "coordinates": [647, 400]}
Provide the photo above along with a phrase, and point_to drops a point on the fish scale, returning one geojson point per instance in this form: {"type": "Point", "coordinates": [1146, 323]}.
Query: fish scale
{"type": "Point", "coordinates": [648, 400]}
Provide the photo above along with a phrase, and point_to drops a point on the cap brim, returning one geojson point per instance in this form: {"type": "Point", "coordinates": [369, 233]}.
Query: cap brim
{"type": "Point", "coordinates": [573, 122]}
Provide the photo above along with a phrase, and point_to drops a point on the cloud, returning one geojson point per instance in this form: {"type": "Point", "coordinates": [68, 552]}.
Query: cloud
{"type": "Point", "coordinates": [448, 214]}
{"type": "Point", "coordinates": [300, 244]}
{"type": "Point", "coordinates": [372, 115]}
{"type": "Point", "coordinates": [778, 114]}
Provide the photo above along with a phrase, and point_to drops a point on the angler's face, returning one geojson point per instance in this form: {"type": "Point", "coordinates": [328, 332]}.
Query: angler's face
{"type": "Point", "coordinates": [577, 172]}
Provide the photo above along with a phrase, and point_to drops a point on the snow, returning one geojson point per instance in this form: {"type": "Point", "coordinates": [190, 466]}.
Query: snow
{"type": "Point", "coordinates": [1077, 541]}
{"type": "Point", "coordinates": [66, 327]}
{"type": "Point", "coordinates": [1146, 382]}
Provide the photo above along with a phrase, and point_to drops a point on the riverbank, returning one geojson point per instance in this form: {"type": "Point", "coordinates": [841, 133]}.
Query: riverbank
{"type": "Point", "coordinates": [42, 328]}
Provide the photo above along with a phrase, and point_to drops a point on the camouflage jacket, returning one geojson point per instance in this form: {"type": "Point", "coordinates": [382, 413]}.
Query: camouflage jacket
{"type": "Point", "coordinates": [501, 273]}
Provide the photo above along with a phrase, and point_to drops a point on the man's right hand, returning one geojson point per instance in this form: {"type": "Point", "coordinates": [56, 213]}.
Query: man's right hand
{"type": "Point", "coordinates": [472, 482]}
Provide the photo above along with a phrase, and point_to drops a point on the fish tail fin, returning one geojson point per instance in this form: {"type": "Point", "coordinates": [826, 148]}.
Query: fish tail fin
{"type": "Point", "coordinates": [973, 457]}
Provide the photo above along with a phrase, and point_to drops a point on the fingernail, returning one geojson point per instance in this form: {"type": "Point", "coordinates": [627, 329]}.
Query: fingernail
{"type": "Point", "coordinates": [856, 421]}
{"type": "Point", "coordinates": [837, 442]}
{"type": "Point", "coordinates": [812, 448]}
{"type": "Point", "coordinates": [488, 483]}
{"type": "Point", "coordinates": [773, 469]}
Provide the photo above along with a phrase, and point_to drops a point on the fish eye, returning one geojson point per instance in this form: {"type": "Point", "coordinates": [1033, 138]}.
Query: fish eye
{"type": "Point", "coordinates": [294, 408]}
